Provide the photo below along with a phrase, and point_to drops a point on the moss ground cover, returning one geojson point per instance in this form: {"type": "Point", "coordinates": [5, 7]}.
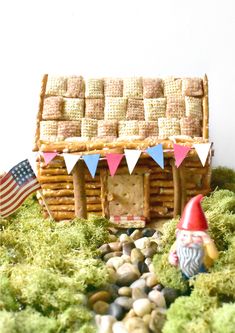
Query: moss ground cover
{"type": "Point", "coordinates": [46, 268]}
{"type": "Point", "coordinates": [223, 178]}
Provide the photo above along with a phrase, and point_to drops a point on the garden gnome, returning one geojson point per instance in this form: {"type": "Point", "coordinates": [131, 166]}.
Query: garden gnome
{"type": "Point", "coordinates": [193, 251]}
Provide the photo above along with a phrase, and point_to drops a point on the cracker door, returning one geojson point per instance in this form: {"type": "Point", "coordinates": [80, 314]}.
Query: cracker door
{"type": "Point", "coordinates": [126, 195]}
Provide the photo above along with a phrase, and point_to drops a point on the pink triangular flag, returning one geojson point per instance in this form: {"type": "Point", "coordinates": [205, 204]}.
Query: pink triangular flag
{"type": "Point", "coordinates": [202, 150]}
{"type": "Point", "coordinates": [132, 156]}
{"type": "Point", "coordinates": [180, 153]}
{"type": "Point", "coordinates": [48, 157]}
{"type": "Point", "coordinates": [70, 161]}
{"type": "Point", "coordinates": [113, 161]}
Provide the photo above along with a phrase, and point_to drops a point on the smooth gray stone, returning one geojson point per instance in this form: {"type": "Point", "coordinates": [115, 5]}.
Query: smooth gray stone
{"type": "Point", "coordinates": [140, 283]}
{"type": "Point", "coordinates": [142, 243]}
{"type": "Point", "coordinates": [157, 320]}
{"type": "Point", "coordinates": [157, 297]}
{"type": "Point", "coordinates": [115, 262]}
{"type": "Point", "coordinates": [129, 231]}
{"type": "Point", "coordinates": [126, 274]}
{"type": "Point", "coordinates": [158, 287]}
{"type": "Point", "coordinates": [126, 279]}
{"type": "Point", "coordinates": [136, 256]}
{"type": "Point", "coordinates": [104, 249]}
{"type": "Point", "coordinates": [158, 234]}
{"type": "Point", "coordinates": [150, 250]}
{"type": "Point", "coordinates": [148, 232]}
{"type": "Point", "coordinates": [115, 246]}
{"type": "Point", "coordinates": [117, 311]}
{"type": "Point", "coordinates": [143, 268]}
{"type": "Point", "coordinates": [112, 254]}
{"type": "Point", "coordinates": [127, 247]}
{"type": "Point", "coordinates": [170, 295]}
{"type": "Point", "coordinates": [124, 301]}
{"type": "Point", "coordinates": [124, 238]}
{"type": "Point", "coordinates": [138, 293]}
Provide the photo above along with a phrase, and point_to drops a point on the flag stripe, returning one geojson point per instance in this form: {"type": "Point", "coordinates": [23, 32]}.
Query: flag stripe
{"type": "Point", "coordinates": [12, 208]}
{"type": "Point", "coordinates": [14, 188]}
{"type": "Point", "coordinates": [11, 191]}
{"type": "Point", "coordinates": [5, 181]}
{"type": "Point", "coordinates": [10, 185]}
{"type": "Point", "coordinates": [19, 191]}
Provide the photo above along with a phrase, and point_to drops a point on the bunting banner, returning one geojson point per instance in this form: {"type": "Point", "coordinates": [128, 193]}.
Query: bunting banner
{"type": "Point", "coordinates": [180, 153]}
{"type": "Point", "coordinates": [202, 150]}
{"type": "Point", "coordinates": [113, 161]}
{"type": "Point", "coordinates": [70, 161]}
{"type": "Point", "coordinates": [48, 157]}
{"type": "Point", "coordinates": [132, 156]}
{"type": "Point", "coordinates": [156, 153]}
{"type": "Point", "coordinates": [92, 163]}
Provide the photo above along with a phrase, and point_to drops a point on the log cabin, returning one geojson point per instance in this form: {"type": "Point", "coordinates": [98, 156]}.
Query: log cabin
{"type": "Point", "coordinates": [102, 116]}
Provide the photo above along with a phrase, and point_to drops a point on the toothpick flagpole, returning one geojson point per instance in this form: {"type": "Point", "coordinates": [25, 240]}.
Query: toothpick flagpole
{"type": "Point", "coordinates": [46, 205]}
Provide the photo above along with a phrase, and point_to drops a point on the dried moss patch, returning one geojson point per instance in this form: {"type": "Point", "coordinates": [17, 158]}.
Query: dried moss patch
{"type": "Point", "coordinates": [223, 178]}
{"type": "Point", "coordinates": [46, 270]}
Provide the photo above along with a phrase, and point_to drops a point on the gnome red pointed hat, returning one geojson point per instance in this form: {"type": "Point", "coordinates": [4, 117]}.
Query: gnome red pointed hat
{"type": "Point", "coordinates": [193, 217]}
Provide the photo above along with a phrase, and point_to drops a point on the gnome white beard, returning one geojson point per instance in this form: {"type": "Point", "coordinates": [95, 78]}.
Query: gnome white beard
{"type": "Point", "coordinates": [190, 258]}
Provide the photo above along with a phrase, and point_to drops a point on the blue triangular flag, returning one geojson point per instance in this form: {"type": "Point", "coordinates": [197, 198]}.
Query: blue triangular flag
{"type": "Point", "coordinates": [156, 153]}
{"type": "Point", "coordinates": [92, 163]}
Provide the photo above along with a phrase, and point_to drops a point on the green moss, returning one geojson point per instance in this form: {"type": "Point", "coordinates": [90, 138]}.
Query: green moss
{"type": "Point", "coordinates": [8, 300]}
{"type": "Point", "coordinates": [223, 319]}
{"type": "Point", "coordinates": [31, 321]}
{"type": "Point", "coordinates": [220, 284]}
{"type": "Point", "coordinates": [7, 322]}
{"type": "Point", "coordinates": [74, 318]}
{"type": "Point", "coordinates": [220, 201]}
{"type": "Point", "coordinates": [219, 209]}
{"type": "Point", "coordinates": [47, 267]}
{"type": "Point", "coordinates": [169, 276]}
{"type": "Point", "coordinates": [87, 328]}
{"type": "Point", "coordinates": [227, 258]}
{"type": "Point", "coordinates": [223, 178]}
{"type": "Point", "coordinates": [168, 237]}
{"type": "Point", "coordinates": [189, 313]}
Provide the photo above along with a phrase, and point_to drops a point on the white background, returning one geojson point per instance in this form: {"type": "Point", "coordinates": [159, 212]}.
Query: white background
{"type": "Point", "coordinates": [113, 38]}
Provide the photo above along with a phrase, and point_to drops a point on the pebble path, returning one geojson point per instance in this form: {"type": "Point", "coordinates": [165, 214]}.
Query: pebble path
{"type": "Point", "coordinates": [134, 301]}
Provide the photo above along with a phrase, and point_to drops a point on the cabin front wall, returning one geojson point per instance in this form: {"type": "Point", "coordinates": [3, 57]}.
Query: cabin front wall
{"type": "Point", "coordinates": [153, 186]}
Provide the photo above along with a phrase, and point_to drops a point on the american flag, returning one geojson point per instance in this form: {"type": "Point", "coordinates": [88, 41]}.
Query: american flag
{"type": "Point", "coordinates": [16, 186]}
